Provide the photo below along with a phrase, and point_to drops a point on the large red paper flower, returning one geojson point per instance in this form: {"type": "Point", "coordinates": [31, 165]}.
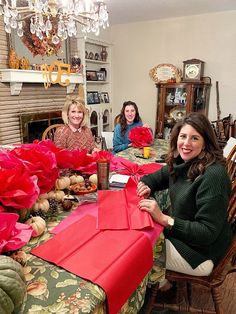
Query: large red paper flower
{"type": "Point", "coordinates": [140, 136]}
{"type": "Point", "coordinates": [13, 235]}
{"type": "Point", "coordinates": [40, 161]}
{"type": "Point", "coordinates": [18, 189]}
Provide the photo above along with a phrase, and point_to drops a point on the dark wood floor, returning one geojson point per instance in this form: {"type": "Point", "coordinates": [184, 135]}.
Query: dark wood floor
{"type": "Point", "coordinates": [201, 296]}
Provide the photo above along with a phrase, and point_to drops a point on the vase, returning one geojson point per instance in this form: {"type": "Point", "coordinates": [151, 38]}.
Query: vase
{"type": "Point", "coordinates": [105, 72]}
{"type": "Point", "coordinates": [104, 54]}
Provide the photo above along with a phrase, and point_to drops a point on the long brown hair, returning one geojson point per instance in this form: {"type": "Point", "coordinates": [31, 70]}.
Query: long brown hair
{"type": "Point", "coordinates": [211, 153]}
{"type": "Point", "coordinates": [122, 119]}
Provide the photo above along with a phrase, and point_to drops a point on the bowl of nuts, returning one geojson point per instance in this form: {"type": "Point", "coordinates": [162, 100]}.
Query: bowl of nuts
{"type": "Point", "coordinates": [83, 188]}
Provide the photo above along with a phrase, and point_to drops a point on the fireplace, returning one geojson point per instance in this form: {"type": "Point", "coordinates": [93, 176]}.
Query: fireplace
{"type": "Point", "coordinates": [34, 124]}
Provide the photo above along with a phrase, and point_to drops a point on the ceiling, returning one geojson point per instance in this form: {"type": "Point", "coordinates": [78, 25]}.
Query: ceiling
{"type": "Point", "coordinates": [128, 11]}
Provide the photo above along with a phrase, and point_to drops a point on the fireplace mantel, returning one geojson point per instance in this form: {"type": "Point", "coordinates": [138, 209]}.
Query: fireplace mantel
{"type": "Point", "coordinates": [16, 78]}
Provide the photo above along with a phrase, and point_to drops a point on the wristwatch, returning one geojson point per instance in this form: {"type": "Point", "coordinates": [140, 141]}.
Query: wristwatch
{"type": "Point", "coordinates": [170, 222]}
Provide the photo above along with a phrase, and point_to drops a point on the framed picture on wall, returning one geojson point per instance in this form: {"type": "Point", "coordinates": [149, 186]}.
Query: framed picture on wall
{"type": "Point", "coordinates": [96, 98]}
{"type": "Point", "coordinates": [101, 76]}
{"type": "Point", "coordinates": [91, 75]}
{"type": "Point", "coordinates": [105, 97]}
{"type": "Point", "coordinates": [90, 99]}
{"type": "Point", "coordinates": [35, 52]}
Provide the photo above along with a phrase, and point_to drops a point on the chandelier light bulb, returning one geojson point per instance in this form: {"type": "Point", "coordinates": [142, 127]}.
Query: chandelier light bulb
{"type": "Point", "coordinates": [61, 15]}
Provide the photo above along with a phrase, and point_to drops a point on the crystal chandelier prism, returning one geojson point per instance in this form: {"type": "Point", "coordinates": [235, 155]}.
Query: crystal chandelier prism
{"type": "Point", "coordinates": [43, 14]}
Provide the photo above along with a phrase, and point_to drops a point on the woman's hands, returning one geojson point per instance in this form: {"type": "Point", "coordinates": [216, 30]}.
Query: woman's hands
{"type": "Point", "coordinates": [151, 205]}
{"type": "Point", "coordinates": [143, 190]}
{"type": "Point", "coordinates": [152, 208]}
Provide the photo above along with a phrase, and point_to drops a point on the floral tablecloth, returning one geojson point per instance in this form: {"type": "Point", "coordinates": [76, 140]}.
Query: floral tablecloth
{"type": "Point", "coordinates": [51, 289]}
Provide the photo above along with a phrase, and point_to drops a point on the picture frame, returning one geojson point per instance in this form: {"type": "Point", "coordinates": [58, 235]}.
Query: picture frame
{"type": "Point", "coordinates": [15, 42]}
{"type": "Point", "coordinates": [101, 97]}
{"type": "Point", "coordinates": [105, 97]}
{"type": "Point", "coordinates": [96, 98]}
{"type": "Point", "coordinates": [90, 98]}
{"type": "Point", "coordinates": [100, 75]}
{"type": "Point", "coordinates": [91, 75]}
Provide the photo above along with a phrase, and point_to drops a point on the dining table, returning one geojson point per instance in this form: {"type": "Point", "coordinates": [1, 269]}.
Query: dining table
{"type": "Point", "coordinates": [52, 289]}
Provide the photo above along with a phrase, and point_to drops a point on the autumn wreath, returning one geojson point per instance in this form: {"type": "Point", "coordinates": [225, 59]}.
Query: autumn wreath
{"type": "Point", "coordinates": [37, 46]}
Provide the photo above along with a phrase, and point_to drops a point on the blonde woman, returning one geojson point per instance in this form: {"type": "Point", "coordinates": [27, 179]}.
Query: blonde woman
{"type": "Point", "coordinates": [75, 134]}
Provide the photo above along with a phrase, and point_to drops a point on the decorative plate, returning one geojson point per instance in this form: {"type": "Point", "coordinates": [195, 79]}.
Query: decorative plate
{"type": "Point", "coordinates": [81, 188]}
{"type": "Point", "coordinates": [178, 113]}
{"type": "Point", "coordinates": [164, 73]}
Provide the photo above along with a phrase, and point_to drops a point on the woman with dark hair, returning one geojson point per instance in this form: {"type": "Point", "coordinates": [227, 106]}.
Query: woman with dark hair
{"type": "Point", "coordinates": [196, 229]}
{"type": "Point", "coordinates": [75, 134]}
{"type": "Point", "coordinates": [129, 118]}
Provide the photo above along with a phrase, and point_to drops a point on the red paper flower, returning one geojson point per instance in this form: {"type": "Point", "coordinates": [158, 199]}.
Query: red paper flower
{"type": "Point", "coordinates": [140, 136]}
{"type": "Point", "coordinates": [18, 189]}
{"type": "Point", "coordinates": [40, 161]}
{"type": "Point", "coordinates": [13, 235]}
{"type": "Point", "coordinates": [108, 156]}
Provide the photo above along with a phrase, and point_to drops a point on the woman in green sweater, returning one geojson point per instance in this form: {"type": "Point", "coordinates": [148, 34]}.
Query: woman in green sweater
{"type": "Point", "coordinates": [196, 230]}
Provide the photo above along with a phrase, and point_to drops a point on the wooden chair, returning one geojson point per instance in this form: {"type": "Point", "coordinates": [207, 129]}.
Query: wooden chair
{"type": "Point", "coordinates": [223, 129]}
{"type": "Point", "coordinates": [107, 138]}
{"type": "Point", "coordinates": [231, 164]}
{"type": "Point", "coordinates": [117, 119]}
{"type": "Point", "coordinates": [49, 132]}
{"type": "Point", "coordinates": [214, 281]}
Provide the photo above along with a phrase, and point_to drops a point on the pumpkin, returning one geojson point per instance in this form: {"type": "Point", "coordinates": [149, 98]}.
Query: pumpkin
{"type": "Point", "coordinates": [38, 225]}
{"type": "Point", "coordinates": [57, 195]}
{"type": "Point", "coordinates": [93, 179]}
{"type": "Point", "coordinates": [62, 183]}
{"type": "Point", "coordinates": [12, 285]}
{"type": "Point", "coordinates": [76, 179]}
{"type": "Point", "coordinates": [42, 204]}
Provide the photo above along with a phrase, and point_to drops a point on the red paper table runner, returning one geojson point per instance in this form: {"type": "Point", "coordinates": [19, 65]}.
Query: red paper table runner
{"type": "Point", "coordinates": [119, 209]}
{"type": "Point", "coordinates": [107, 258]}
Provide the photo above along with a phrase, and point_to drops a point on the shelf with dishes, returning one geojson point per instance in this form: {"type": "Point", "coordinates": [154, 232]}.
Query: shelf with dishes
{"type": "Point", "coordinates": [96, 61]}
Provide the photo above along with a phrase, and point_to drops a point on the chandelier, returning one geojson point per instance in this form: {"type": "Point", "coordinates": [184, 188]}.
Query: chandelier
{"type": "Point", "coordinates": [44, 14]}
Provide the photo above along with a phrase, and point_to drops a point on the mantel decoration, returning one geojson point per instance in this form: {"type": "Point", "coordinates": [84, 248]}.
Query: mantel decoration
{"type": "Point", "coordinates": [165, 73]}
{"type": "Point", "coordinates": [48, 15]}
{"type": "Point", "coordinates": [45, 46]}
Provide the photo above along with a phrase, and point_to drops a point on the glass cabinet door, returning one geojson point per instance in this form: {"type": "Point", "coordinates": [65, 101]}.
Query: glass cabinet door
{"type": "Point", "coordinates": [175, 100]}
{"type": "Point", "coordinates": [200, 99]}
{"type": "Point", "coordinates": [174, 108]}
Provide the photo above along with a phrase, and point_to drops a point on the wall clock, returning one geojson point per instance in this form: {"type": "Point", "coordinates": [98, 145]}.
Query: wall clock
{"type": "Point", "coordinates": [193, 70]}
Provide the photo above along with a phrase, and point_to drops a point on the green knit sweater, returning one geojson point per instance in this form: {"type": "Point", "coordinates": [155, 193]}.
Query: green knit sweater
{"type": "Point", "coordinates": [201, 230]}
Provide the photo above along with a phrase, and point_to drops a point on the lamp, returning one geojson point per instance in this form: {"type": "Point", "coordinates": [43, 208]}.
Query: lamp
{"type": "Point", "coordinates": [44, 14]}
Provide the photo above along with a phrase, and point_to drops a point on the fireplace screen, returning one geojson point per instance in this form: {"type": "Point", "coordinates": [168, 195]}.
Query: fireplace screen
{"type": "Point", "coordinates": [34, 124]}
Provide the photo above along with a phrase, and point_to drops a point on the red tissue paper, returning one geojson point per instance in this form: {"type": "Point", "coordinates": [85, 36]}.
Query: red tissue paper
{"type": "Point", "coordinates": [39, 161]}
{"type": "Point", "coordinates": [77, 159]}
{"type": "Point", "coordinates": [13, 235]}
{"type": "Point", "coordinates": [140, 136]}
{"type": "Point", "coordinates": [115, 260]}
{"type": "Point", "coordinates": [133, 169]}
{"type": "Point", "coordinates": [19, 188]}
{"type": "Point", "coordinates": [119, 209]}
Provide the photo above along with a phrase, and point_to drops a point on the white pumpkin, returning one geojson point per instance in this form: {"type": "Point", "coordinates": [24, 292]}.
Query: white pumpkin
{"type": "Point", "coordinates": [38, 225]}
{"type": "Point", "coordinates": [44, 195]}
{"type": "Point", "coordinates": [62, 183]}
{"type": "Point", "coordinates": [93, 179]}
{"type": "Point", "coordinates": [57, 195]}
{"type": "Point", "coordinates": [43, 204]}
{"type": "Point", "coordinates": [76, 179]}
